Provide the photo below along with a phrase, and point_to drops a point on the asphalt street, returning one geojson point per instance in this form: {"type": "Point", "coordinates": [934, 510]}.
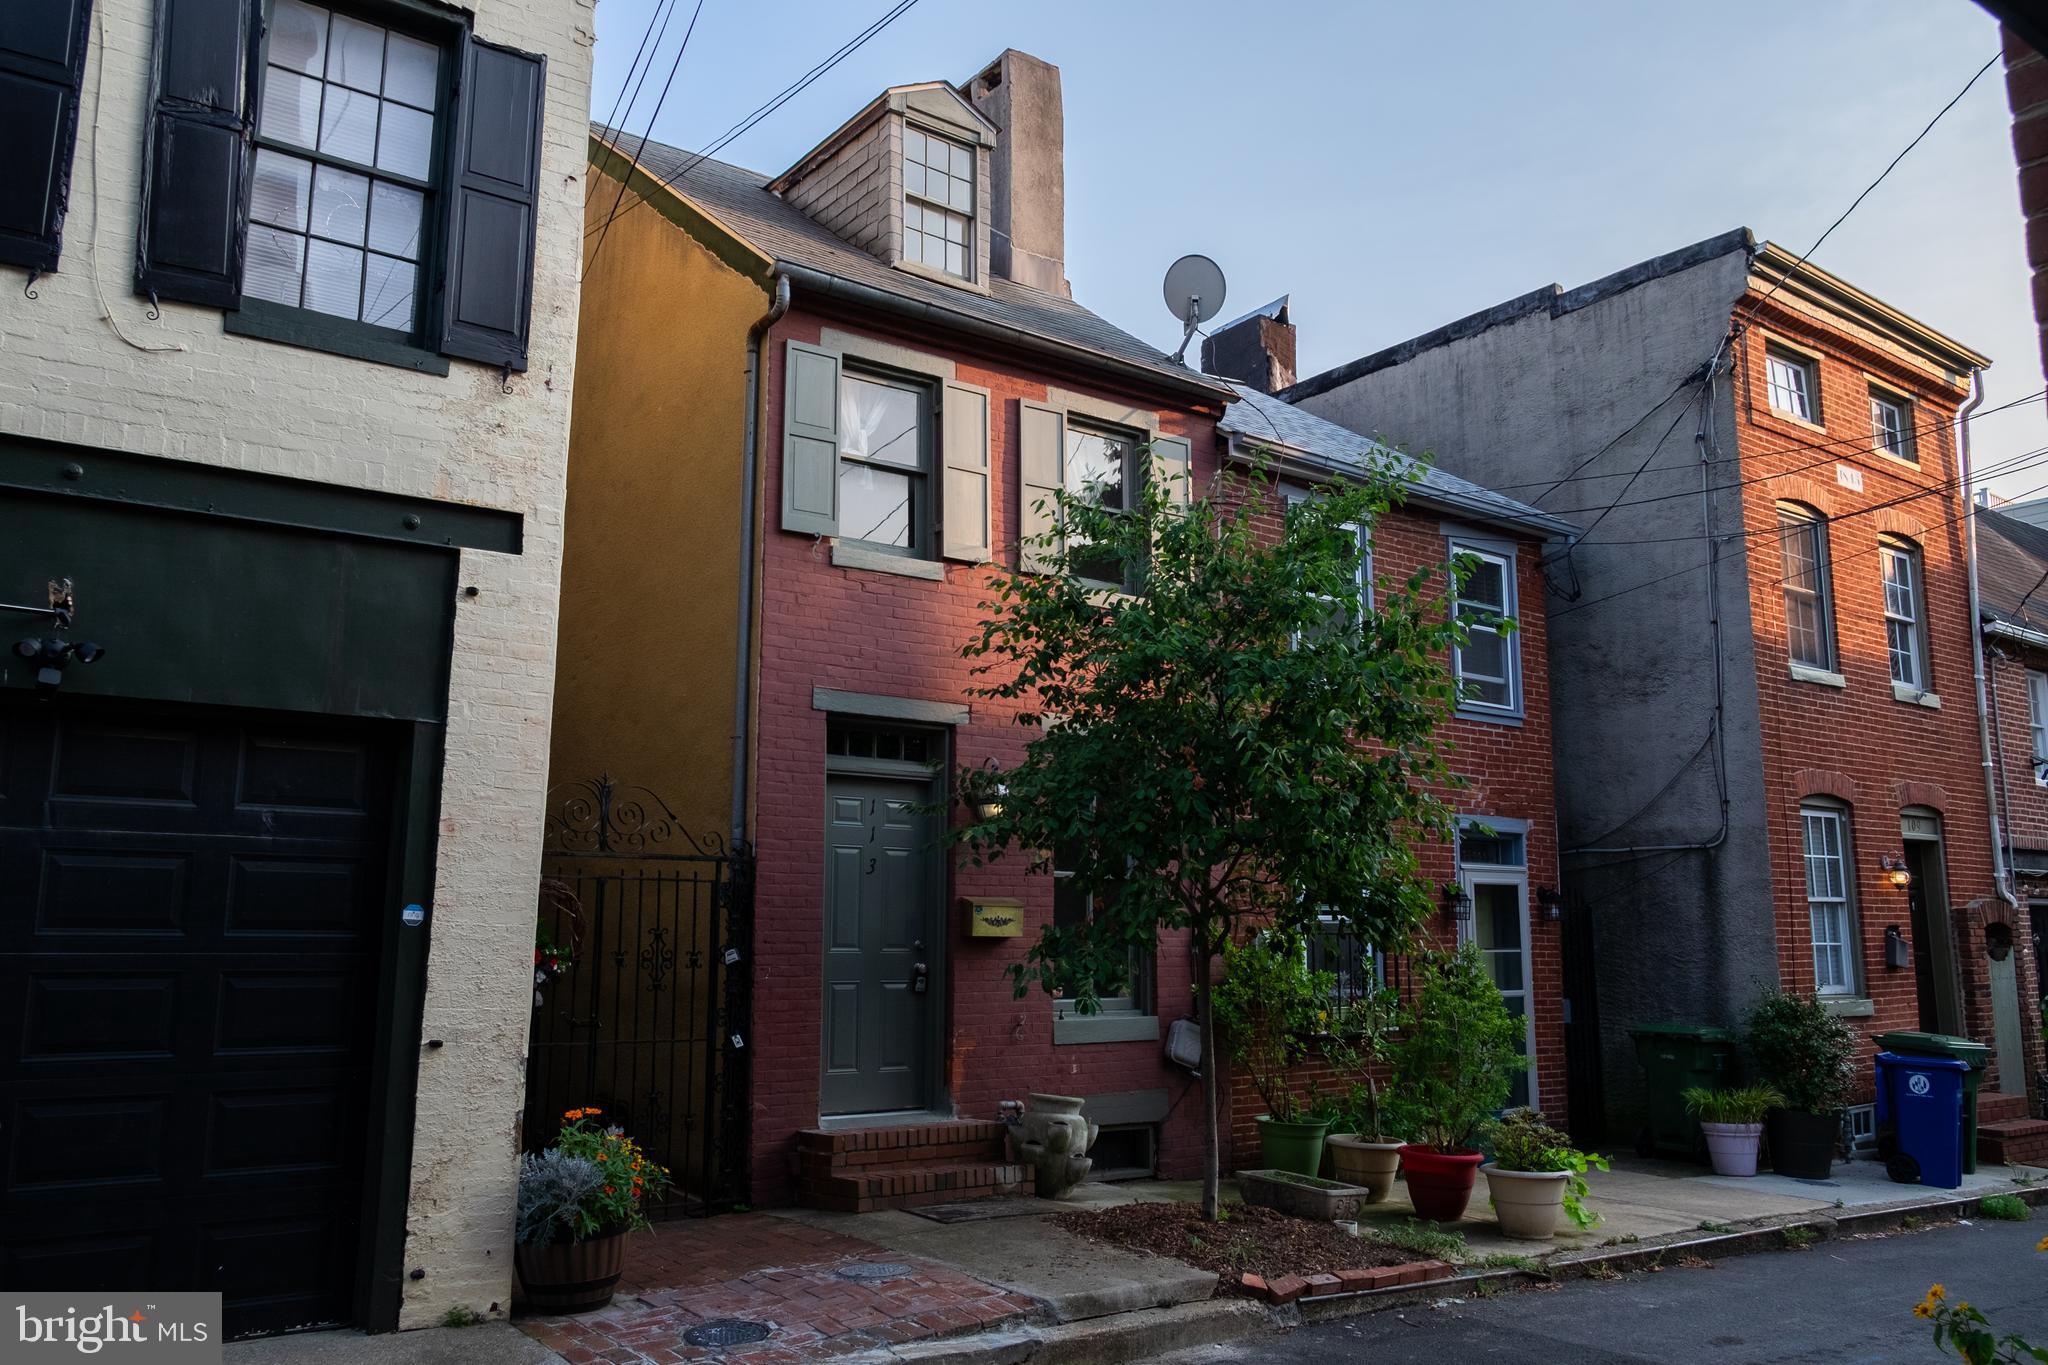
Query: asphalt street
{"type": "Point", "coordinates": [1837, 1301]}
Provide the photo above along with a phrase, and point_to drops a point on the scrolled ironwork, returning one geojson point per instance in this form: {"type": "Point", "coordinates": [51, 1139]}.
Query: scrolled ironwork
{"type": "Point", "coordinates": [598, 816]}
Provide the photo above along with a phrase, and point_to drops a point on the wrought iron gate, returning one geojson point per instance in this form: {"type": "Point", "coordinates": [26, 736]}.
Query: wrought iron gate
{"type": "Point", "coordinates": [1584, 1086]}
{"type": "Point", "coordinates": [642, 987]}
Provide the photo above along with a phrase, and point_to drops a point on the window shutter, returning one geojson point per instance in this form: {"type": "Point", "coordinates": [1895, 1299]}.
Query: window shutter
{"type": "Point", "coordinates": [964, 448]}
{"type": "Point", "coordinates": [1173, 466]}
{"type": "Point", "coordinates": [1041, 472]}
{"type": "Point", "coordinates": [194, 223]}
{"type": "Point", "coordinates": [494, 179]}
{"type": "Point", "coordinates": [810, 441]}
{"type": "Point", "coordinates": [42, 61]}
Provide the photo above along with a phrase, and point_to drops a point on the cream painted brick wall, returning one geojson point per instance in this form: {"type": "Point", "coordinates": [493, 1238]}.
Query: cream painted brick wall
{"type": "Point", "coordinates": [67, 375]}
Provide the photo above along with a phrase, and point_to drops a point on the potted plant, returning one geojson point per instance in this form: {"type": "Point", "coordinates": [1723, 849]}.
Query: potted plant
{"type": "Point", "coordinates": [1268, 1004]}
{"type": "Point", "coordinates": [1365, 1152]}
{"type": "Point", "coordinates": [577, 1201]}
{"type": "Point", "coordinates": [1451, 1074]}
{"type": "Point", "coordinates": [1733, 1123]}
{"type": "Point", "coordinates": [1535, 1173]}
{"type": "Point", "coordinates": [1809, 1057]}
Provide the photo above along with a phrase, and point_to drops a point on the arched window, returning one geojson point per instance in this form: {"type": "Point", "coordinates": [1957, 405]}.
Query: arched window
{"type": "Point", "coordinates": [1905, 611]}
{"type": "Point", "coordinates": [1809, 608]}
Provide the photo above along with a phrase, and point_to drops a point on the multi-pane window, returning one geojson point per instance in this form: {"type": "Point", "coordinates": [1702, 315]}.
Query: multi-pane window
{"type": "Point", "coordinates": [1119, 985]}
{"type": "Point", "coordinates": [340, 200]}
{"type": "Point", "coordinates": [1484, 664]}
{"type": "Point", "coordinates": [1905, 637]}
{"type": "Point", "coordinates": [2037, 722]}
{"type": "Point", "coordinates": [1827, 899]}
{"type": "Point", "coordinates": [1102, 469]}
{"type": "Point", "coordinates": [1346, 612]}
{"type": "Point", "coordinates": [1355, 968]}
{"type": "Point", "coordinates": [938, 203]}
{"type": "Point", "coordinates": [1891, 426]}
{"type": "Point", "coordinates": [884, 459]}
{"type": "Point", "coordinates": [1803, 556]}
{"type": "Point", "coordinates": [1792, 385]}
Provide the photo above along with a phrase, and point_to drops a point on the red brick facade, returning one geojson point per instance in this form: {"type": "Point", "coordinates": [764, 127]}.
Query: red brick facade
{"type": "Point", "coordinates": [2026, 90]}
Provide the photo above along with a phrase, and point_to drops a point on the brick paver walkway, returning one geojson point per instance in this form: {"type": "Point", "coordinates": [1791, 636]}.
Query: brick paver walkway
{"type": "Point", "coordinates": [763, 1269]}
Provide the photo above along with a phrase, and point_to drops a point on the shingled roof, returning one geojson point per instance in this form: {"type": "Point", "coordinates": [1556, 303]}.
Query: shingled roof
{"type": "Point", "coordinates": [2012, 570]}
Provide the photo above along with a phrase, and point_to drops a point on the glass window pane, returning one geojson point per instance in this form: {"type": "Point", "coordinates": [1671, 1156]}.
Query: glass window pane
{"type": "Point", "coordinates": [1487, 585]}
{"type": "Point", "coordinates": [291, 107]}
{"type": "Point", "coordinates": [1095, 468]}
{"type": "Point", "coordinates": [961, 195]}
{"type": "Point", "coordinates": [355, 54]}
{"type": "Point", "coordinates": [395, 220]}
{"type": "Point", "coordinates": [879, 422]}
{"type": "Point", "coordinates": [1485, 656]}
{"type": "Point", "coordinates": [348, 124]}
{"type": "Point", "coordinates": [298, 37]}
{"type": "Point", "coordinates": [913, 178]}
{"type": "Point", "coordinates": [341, 202]}
{"type": "Point", "coordinates": [412, 71]}
{"type": "Point", "coordinates": [956, 259]}
{"type": "Point", "coordinates": [388, 286]}
{"type": "Point", "coordinates": [334, 279]}
{"type": "Point", "coordinates": [963, 161]}
{"type": "Point", "coordinates": [956, 228]}
{"type": "Point", "coordinates": [913, 145]}
{"type": "Point", "coordinates": [874, 504]}
{"type": "Point", "coordinates": [274, 264]}
{"type": "Point", "coordinates": [280, 189]}
{"type": "Point", "coordinates": [405, 141]}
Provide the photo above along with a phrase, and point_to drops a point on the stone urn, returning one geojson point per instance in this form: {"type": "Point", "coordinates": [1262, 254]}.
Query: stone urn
{"type": "Point", "coordinates": [1053, 1138]}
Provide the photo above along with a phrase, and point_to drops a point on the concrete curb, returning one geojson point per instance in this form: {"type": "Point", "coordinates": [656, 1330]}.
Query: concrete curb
{"type": "Point", "coordinates": [1095, 1341]}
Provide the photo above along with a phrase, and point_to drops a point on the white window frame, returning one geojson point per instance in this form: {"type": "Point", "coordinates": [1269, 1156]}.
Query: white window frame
{"type": "Point", "coordinates": [1473, 874]}
{"type": "Point", "coordinates": [1792, 384]}
{"type": "Point", "coordinates": [928, 205]}
{"type": "Point", "coordinates": [921, 516]}
{"type": "Point", "coordinates": [1334, 927]}
{"type": "Point", "coordinates": [1359, 529]}
{"type": "Point", "coordinates": [1905, 626]}
{"type": "Point", "coordinates": [1805, 520]}
{"type": "Point", "coordinates": [2037, 722]}
{"type": "Point", "coordinates": [1511, 640]}
{"type": "Point", "coordinates": [1882, 432]}
{"type": "Point", "coordinates": [1830, 902]}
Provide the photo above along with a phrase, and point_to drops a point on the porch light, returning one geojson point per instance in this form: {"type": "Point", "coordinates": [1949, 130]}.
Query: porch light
{"type": "Point", "coordinates": [1895, 870]}
{"type": "Point", "coordinates": [1457, 902]}
{"type": "Point", "coordinates": [1551, 901]}
{"type": "Point", "coordinates": [982, 790]}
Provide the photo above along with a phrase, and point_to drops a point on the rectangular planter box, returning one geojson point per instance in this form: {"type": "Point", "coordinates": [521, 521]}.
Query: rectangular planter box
{"type": "Point", "coordinates": [1301, 1196]}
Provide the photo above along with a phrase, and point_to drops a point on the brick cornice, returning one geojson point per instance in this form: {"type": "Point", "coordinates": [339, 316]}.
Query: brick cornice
{"type": "Point", "coordinates": [1824, 782]}
{"type": "Point", "coordinates": [1929, 794]}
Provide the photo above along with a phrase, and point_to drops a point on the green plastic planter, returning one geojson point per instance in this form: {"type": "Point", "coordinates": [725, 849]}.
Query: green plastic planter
{"type": "Point", "coordinates": [1296, 1147]}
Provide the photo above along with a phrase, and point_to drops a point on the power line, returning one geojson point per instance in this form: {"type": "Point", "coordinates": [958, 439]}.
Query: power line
{"type": "Point", "coordinates": [634, 65]}
{"type": "Point", "coordinates": [1580, 539]}
{"type": "Point", "coordinates": [1573, 473]}
{"type": "Point", "coordinates": [660, 100]}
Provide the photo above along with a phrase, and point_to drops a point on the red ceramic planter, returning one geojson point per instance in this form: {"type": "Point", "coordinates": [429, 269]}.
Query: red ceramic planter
{"type": "Point", "coordinates": [1439, 1183]}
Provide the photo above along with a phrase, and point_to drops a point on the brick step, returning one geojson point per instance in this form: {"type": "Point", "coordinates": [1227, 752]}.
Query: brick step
{"type": "Point", "coordinates": [1995, 1106]}
{"type": "Point", "coordinates": [902, 1187]}
{"type": "Point", "coordinates": [2021, 1141]}
{"type": "Point", "coordinates": [851, 1150]}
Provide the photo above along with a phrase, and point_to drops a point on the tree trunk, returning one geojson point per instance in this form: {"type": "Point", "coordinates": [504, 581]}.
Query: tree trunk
{"type": "Point", "coordinates": [1212, 1077]}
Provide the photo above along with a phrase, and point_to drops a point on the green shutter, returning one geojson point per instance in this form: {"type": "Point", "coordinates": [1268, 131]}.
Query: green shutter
{"type": "Point", "coordinates": [1173, 466]}
{"type": "Point", "coordinates": [964, 469]}
{"type": "Point", "coordinates": [810, 441]}
{"type": "Point", "coordinates": [1041, 466]}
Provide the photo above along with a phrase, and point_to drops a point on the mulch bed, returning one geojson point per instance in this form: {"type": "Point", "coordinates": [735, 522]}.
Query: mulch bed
{"type": "Point", "coordinates": [1253, 1240]}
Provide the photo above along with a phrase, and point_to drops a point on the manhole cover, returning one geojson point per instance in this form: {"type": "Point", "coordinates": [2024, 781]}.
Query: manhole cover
{"type": "Point", "coordinates": [723, 1332]}
{"type": "Point", "coordinates": [873, 1270]}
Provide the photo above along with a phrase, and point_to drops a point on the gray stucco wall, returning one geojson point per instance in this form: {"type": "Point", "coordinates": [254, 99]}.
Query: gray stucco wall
{"type": "Point", "coordinates": [1679, 935]}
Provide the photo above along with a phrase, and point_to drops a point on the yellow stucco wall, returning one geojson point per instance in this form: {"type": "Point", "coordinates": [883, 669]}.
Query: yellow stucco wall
{"type": "Point", "coordinates": [644, 683]}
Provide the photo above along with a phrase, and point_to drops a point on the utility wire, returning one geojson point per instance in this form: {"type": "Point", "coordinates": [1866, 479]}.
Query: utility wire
{"type": "Point", "coordinates": [610, 119]}
{"type": "Point", "coordinates": [660, 100]}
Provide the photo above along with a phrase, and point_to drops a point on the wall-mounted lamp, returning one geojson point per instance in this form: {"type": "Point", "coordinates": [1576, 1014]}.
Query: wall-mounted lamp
{"type": "Point", "coordinates": [1457, 902]}
{"type": "Point", "coordinates": [982, 790]}
{"type": "Point", "coordinates": [1551, 901]}
{"type": "Point", "coordinates": [1895, 870]}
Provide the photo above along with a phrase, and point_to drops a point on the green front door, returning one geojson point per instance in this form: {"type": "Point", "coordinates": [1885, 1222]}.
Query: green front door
{"type": "Point", "coordinates": [881, 931]}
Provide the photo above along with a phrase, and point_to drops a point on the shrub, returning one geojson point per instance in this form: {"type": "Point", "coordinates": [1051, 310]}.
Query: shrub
{"type": "Point", "coordinates": [2008, 1208]}
{"type": "Point", "coordinates": [1361, 1033]}
{"type": "Point", "coordinates": [1266, 1006]}
{"type": "Point", "coordinates": [1804, 1051]}
{"type": "Point", "coordinates": [1522, 1141]}
{"type": "Point", "coordinates": [1741, 1104]}
{"type": "Point", "coordinates": [1452, 1067]}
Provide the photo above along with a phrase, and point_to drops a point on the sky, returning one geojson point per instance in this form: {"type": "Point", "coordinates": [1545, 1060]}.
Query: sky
{"type": "Point", "coordinates": [1396, 166]}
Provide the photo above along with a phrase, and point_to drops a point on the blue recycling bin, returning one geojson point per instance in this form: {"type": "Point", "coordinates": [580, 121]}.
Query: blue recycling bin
{"type": "Point", "coordinates": [1920, 1118]}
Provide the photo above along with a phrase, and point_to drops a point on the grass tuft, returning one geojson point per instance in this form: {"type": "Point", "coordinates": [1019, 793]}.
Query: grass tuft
{"type": "Point", "coordinates": [2006, 1208]}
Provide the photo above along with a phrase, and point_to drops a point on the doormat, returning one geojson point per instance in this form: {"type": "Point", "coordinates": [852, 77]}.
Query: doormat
{"type": "Point", "coordinates": [982, 1210]}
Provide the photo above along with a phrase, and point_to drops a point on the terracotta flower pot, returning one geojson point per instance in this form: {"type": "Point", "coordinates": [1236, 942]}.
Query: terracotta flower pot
{"type": "Point", "coordinates": [1370, 1165]}
{"type": "Point", "coordinates": [1439, 1183]}
{"type": "Point", "coordinates": [1732, 1146]}
{"type": "Point", "coordinates": [1526, 1202]}
{"type": "Point", "coordinates": [571, 1277]}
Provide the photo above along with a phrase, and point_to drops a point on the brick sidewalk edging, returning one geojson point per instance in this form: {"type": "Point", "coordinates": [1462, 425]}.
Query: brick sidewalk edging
{"type": "Point", "coordinates": [1287, 1288]}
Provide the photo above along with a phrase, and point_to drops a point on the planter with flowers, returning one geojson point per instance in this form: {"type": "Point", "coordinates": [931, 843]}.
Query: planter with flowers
{"type": "Point", "coordinates": [577, 1201]}
{"type": "Point", "coordinates": [1535, 1174]}
{"type": "Point", "coordinates": [1365, 1152]}
{"type": "Point", "coordinates": [1267, 1005]}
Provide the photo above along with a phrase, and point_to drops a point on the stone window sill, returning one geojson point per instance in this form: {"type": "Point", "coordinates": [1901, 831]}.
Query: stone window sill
{"type": "Point", "coordinates": [1913, 696]}
{"type": "Point", "coordinates": [1849, 1006]}
{"type": "Point", "coordinates": [1489, 715]}
{"type": "Point", "coordinates": [1104, 1028]}
{"type": "Point", "coordinates": [852, 556]}
{"type": "Point", "coordinates": [1825, 677]}
{"type": "Point", "coordinates": [1794, 419]}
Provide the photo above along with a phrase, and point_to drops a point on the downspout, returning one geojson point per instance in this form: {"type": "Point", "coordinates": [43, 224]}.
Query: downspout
{"type": "Point", "coordinates": [750, 475]}
{"type": "Point", "coordinates": [1999, 877]}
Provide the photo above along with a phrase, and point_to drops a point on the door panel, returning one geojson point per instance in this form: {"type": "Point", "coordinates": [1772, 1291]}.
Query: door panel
{"type": "Point", "coordinates": [880, 931]}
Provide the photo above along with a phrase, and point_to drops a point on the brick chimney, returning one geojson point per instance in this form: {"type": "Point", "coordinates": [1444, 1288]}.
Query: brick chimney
{"type": "Point", "coordinates": [1027, 170]}
{"type": "Point", "coordinates": [1257, 349]}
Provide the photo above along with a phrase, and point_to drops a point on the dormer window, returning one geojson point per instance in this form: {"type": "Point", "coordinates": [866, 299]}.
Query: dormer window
{"type": "Point", "coordinates": [938, 203]}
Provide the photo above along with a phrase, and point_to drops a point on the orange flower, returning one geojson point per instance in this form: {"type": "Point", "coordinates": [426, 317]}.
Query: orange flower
{"type": "Point", "coordinates": [608, 1189]}
{"type": "Point", "coordinates": [600, 1156]}
{"type": "Point", "coordinates": [573, 1114]}
{"type": "Point", "coordinates": [593, 1109]}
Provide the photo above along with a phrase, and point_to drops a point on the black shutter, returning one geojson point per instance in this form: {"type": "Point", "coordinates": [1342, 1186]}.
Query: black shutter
{"type": "Point", "coordinates": [42, 61]}
{"type": "Point", "coordinates": [196, 162]}
{"type": "Point", "coordinates": [495, 174]}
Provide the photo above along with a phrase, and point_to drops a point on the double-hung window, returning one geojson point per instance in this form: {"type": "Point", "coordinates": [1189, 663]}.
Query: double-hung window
{"type": "Point", "coordinates": [1891, 426]}
{"type": "Point", "coordinates": [1803, 559]}
{"type": "Point", "coordinates": [1485, 664]}
{"type": "Point", "coordinates": [1826, 837]}
{"type": "Point", "coordinates": [938, 203]}
{"type": "Point", "coordinates": [343, 192]}
{"type": "Point", "coordinates": [1120, 985]}
{"type": "Point", "coordinates": [1794, 385]}
{"type": "Point", "coordinates": [1102, 468]}
{"type": "Point", "coordinates": [1904, 612]}
{"type": "Point", "coordinates": [885, 450]}
{"type": "Point", "coordinates": [2037, 722]}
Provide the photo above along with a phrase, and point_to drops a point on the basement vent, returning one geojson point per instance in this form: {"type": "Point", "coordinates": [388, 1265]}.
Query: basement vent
{"type": "Point", "coordinates": [1861, 1121]}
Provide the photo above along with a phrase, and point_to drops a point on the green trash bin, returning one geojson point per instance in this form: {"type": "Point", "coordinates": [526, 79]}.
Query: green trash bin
{"type": "Point", "coordinates": [1675, 1058]}
{"type": "Point", "coordinates": [1911, 1044]}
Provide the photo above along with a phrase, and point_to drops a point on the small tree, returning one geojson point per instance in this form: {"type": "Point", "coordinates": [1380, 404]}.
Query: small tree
{"type": "Point", "coordinates": [1221, 736]}
{"type": "Point", "coordinates": [1268, 1004]}
{"type": "Point", "coordinates": [1455, 1065]}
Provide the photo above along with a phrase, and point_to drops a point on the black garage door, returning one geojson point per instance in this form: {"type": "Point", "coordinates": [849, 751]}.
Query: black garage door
{"type": "Point", "coordinates": [189, 913]}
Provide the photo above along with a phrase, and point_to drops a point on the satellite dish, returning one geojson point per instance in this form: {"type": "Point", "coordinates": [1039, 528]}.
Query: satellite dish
{"type": "Point", "coordinates": [1194, 294]}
